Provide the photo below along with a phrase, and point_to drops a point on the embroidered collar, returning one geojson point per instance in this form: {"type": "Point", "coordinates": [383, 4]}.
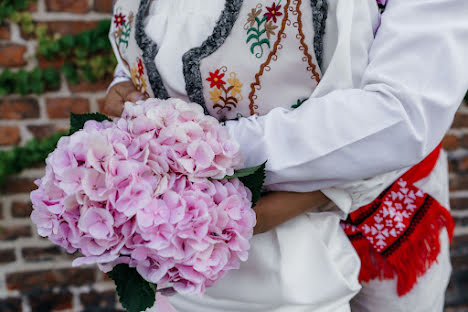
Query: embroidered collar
{"type": "Point", "coordinates": [150, 50]}
{"type": "Point", "coordinates": [192, 58]}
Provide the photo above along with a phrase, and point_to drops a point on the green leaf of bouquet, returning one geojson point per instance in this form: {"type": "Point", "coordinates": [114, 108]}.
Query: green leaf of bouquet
{"type": "Point", "coordinates": [240, 173]}
{"type": "Point", "coordinates": [77, 121]}
{"type": "Point", "coordinates": [135, 293]}
{"type": "Point", "coordinates": [253, 178]}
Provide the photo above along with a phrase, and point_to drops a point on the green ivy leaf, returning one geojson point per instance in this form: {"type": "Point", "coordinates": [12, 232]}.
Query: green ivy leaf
{"type": "Point", "coordinates": [135, 293]}
{"type": "Point", "coordinates": [253, 178]}
{"type": "Point", "coordinates": [77, 121]}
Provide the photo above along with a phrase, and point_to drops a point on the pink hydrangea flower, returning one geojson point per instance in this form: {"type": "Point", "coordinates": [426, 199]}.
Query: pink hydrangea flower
{"type": "Point", "coordinates": [148, 190]}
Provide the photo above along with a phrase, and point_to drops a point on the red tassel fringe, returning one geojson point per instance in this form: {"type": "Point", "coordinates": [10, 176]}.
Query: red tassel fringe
{"type": "Point", "coordinates": [415, 255]}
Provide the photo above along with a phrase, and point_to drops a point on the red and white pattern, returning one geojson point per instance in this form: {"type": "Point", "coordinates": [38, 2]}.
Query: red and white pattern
{"type": "Point", "coordinates": [397, 235]}
{"type": "Point", "coordinates": [393, 217]}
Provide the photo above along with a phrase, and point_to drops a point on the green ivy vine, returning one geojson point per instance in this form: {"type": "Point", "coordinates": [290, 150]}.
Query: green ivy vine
{"type": "Point", "coordinates": [21, 157]}
{"type": "Point", "coordinates": [88, 55]}
{"type": "Point", "coordinates": [25, 82]}
{"type": "Point", "coordinates": [79, 46]}
{"type": "Point", "coordinates": [10, 7]}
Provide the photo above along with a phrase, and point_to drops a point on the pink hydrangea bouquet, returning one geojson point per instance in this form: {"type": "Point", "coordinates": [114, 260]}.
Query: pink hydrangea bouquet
{"type": "Point", "coordinates": [153, 197]}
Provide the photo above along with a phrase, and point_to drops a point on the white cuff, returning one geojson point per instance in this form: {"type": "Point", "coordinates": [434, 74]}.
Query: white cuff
{"type": "Point", "coordinates": [352, 196]}
{"type": "Point", "coordinates": [116, 81]}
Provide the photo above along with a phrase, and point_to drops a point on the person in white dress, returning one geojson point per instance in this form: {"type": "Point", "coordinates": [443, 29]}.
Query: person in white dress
{"type": "Point", "coordinates": [374, 97]}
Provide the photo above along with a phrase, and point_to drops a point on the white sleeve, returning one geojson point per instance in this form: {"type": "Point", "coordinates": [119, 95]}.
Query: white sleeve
{"type": "Point", "coordinates": [410, 91]}
{"type": "Point", "coordinates": [120, 75]}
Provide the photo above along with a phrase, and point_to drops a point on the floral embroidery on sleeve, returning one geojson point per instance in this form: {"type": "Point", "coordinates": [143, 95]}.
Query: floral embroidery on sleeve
{"type": "Point", "coordinates": [138, 77]}
{"type": "Point", "coordinates": [260, 30]}
{"type": "Point", "coordinates": [273, 12]}
{"type": "Point", "coordinates": [225, 95]}
{"type": "Point", "coordinates": [123, 29]}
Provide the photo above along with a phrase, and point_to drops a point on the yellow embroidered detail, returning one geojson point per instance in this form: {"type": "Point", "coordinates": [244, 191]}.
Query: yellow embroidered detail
{"type": "Point", "coordinates": [137, 74]}
{"type": "Point", "coordinates": [236, 83]}
{"type": "Point", "coordinates": [225, 95]}
{"type": "Point", "coordinates": [215, 95]}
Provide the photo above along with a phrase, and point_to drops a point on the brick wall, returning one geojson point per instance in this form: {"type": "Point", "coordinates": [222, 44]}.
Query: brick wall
{"type": "Point", "coordinates": [37, 276]}
{"type": "Point", "coordinates": [34, 274]}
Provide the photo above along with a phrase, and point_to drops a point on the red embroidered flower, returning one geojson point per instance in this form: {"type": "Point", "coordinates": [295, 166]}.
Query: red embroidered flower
{"type": "Point", "coordinates": [119, 20]}
{"type": "Point", "coordinates": [216, 79]}
{"type": "Point", "coordinates": [141, 69]}
{"type": "Point", "coordinates": [273, 12]}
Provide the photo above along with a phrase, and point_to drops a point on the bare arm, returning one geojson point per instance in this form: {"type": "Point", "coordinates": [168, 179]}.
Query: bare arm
{"type": "Point", "coordinates": [276, 208]}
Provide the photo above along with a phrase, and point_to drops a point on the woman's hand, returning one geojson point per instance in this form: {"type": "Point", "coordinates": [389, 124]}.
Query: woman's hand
{"type": "Point", "coordinates": [118, 95]}
{"type": "Point", "coordinates": [279, 207]}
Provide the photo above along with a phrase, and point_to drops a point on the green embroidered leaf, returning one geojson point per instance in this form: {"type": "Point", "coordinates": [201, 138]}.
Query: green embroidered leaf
{"type": "Point", "coordinates": [253, 178]}
{"type": "Point", "coordinates": [135, 293]}
{"type": "Point", "coordinates": [260, 43]}
{"type": "Point", "coordinates": [77, 121]}
{"type": "Point", "coordinates": [252, 36]}
{"type": "Point", "coordinates": [252, 29]}
{"type": "Point", "coordinates": [260, 22]}
{"type": "Point", "coordinates": [298, 104]}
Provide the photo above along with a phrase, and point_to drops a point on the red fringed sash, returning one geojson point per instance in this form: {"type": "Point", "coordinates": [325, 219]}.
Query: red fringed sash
{"type": "Point", "coordinates": [397, 235]}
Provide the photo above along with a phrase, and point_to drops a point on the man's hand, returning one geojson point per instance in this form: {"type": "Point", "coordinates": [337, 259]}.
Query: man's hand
{"type": "Point", "coordinates": [118, 95]}
{"type": "Point", "coordinates": [279, 207]}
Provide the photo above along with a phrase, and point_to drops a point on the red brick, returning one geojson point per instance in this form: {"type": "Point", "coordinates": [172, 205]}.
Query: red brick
{"type": "Point", "coordinates": [459, 182]}
{"type": "Point", "coordinates": [102, 301]}
{"type": "Point", "coordinates": [32, 7]}
{"type": "Point", "coordinates": [452, 165]}
{"type": "Point", "coordinates": [463, 164]}
{"type": "Point", "coordinates": [459, 203]}
{"type": "Point", "coordinates": [461, 221]}
{"type": "Point", "coordinates": [72, 6]}
{"type": "Point", "coordinates": [450, 142]}
{"type": "Point", "coordinates": [42, 131]}
{"type": "Point", "coordinates": [104, 6]}
{"type": "Point", "coordinates": [91, 87]}
{"type": "Point", "coordinates": [11, 305]}
{"type": "Point", "coordinates": [70, 27]}
{"type": "Point", "coordinates": [12, 55]}
{"type": "Point", "coordinates": [465, 141]}
{"type": "Point", "coordinates": [5, 32]}
{"type": "Point", "coordinates": [14, 185]}
{"type": "Point", "coordinates": [56, 62]}
{"type": "Point", "coordinates": [62, 107]}
{"type": "Point", "coordinates": [21, 210]}
{"type": "Point", "coordinates": [50, 278]}
{"type": "Point", "coordinates": [7, 256]}
{"type": "Point", "coordinates": [35, 254]}
{"type": "Point", "coordinates": [19, 108]}
{"type": "Point", "coordinates": [458, 251]}
{"type": "Point", "coordinates": [9, 135]}
{"type": "Point", "coordinates": [47, 301]}
{"type": "Point", "coordinates": [14, 232]}
{"type": "Point", "coordinates": [460, 121]}
{"type": "Point", "coordinates": [101, 103]}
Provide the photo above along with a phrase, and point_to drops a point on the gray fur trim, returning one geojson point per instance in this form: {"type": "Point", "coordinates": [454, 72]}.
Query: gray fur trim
{"type": "Point", "coordinates": [150, 50]}
{"type": "Point", "coordinates": [192, 58]}
{"type": "Point", "coordinates": [319, 13]}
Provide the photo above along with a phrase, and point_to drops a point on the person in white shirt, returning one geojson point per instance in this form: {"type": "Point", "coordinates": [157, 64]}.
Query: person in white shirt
{"type": "Point", "coordinates": [370, 104]}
